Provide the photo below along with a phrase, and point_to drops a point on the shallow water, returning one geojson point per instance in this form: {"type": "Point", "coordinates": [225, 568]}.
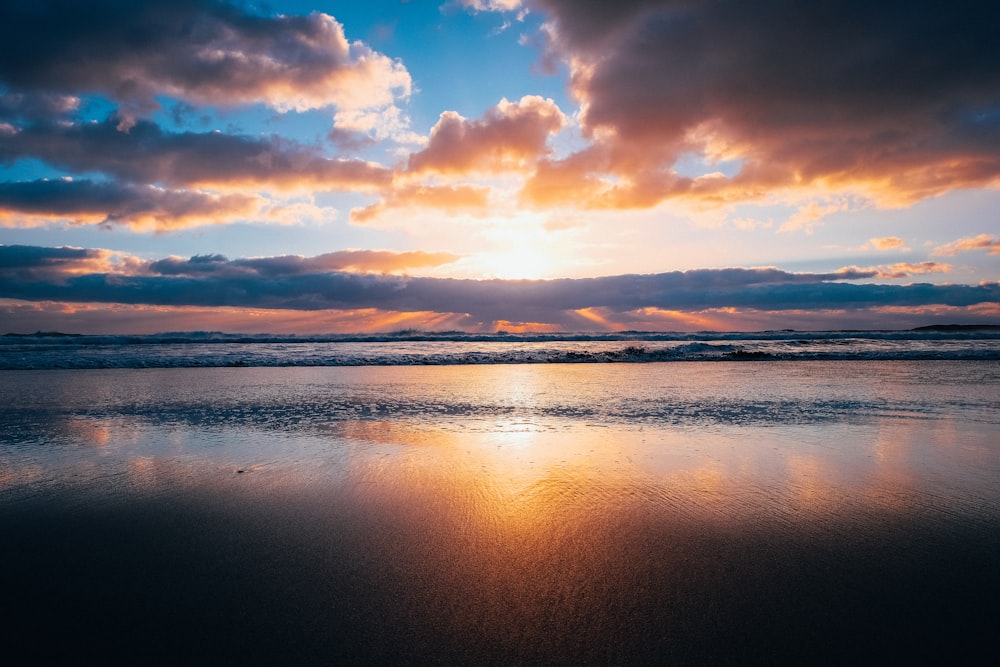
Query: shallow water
{"type": "Point", "coordinates": [213, 349]}
{"type": "Point", "coordinates": [628, 513]}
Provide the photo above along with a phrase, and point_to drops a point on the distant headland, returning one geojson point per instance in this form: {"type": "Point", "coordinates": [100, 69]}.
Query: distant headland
{"type": "Point", "coordinates": [959, 327]}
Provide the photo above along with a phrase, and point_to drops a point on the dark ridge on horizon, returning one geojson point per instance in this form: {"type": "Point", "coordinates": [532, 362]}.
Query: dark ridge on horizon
{"type": "Point", "coordinates": [958, 327]}
{"type": "Point", "coordinates": [42, 334]}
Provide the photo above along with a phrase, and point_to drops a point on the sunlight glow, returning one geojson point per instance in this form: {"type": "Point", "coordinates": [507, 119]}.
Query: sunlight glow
{"type": "Point", "coordinates": [522, 262]}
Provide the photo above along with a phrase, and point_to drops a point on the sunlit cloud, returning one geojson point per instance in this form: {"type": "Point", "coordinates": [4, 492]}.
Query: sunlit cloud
{"type": "Point", "coordinates": [981, 242]}
{"type": "Point", "coordinates": [376, 124]}
{"type": "Point", "coordinates": [55, 265]}
{"type": "Point", "coordinates": [491, 5]}
{"type": "Point", "coordinates": [885, 243]}
{"type": "Point", "coordinates": [148, 154]}
{"type": "Point", "coordinates": [508, 137]}
{"type": "Point", "coordinates": [687, 129]}
{"type": "Point", "coordinates": [906, 269]}
{"type": "Point", "coordinates": [447, 198]}
{"type": "Point", "coordinates": [361, 261]}
{"type": "Point", "coordinates": [311, 284]}
{"type": "Point", "coordinates": [901, 269]}
{"type": "Point", "coordinates": [145, 319]}
{"type": "Point", "coordinates": [809, 215]}
{"type": "Point", "coordinates": [139, 207]}
{"type": "Point", "coordinates": [660, 79]}
{"type": "Point", "coordinates": [199, 51]}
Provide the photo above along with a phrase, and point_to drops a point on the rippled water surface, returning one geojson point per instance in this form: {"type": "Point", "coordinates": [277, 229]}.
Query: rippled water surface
{"type": "Point", "coordinates": [620, 513]}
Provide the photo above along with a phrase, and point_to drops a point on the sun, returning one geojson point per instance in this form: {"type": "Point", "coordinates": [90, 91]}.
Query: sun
{"type": "Point", "coordinates": [520, 263]}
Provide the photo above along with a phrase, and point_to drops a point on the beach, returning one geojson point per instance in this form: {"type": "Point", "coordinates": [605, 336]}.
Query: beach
{"type": "Point", "coordinates": [499, 332]}
{"type": "Point", "coordinates": [628, 513]}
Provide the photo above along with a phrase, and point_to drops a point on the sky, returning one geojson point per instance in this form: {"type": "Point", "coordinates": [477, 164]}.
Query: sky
{"type": "Point", "coordinates": [525, 165]}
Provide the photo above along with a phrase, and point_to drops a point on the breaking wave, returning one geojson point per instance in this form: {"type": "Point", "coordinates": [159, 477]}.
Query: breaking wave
{"type": "Point", "coordinates": [214, 349]}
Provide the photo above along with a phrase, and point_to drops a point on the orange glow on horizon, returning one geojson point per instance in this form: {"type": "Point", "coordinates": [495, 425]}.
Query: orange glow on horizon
{"type": "Point", "coordinates": [100, 318]}
{"type": "Point", "coordinates": [527, 327]}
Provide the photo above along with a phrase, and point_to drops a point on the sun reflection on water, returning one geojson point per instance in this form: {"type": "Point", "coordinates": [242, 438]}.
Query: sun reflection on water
{"type": "Point", "coordinates": [488, 508]}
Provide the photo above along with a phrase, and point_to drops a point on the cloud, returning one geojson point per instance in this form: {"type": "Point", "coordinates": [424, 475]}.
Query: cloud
{"type": "Point", "coordinates": [603, 177]}
{"type": "Point", "coordinates": [19, 106]}
{"type": "Point", "coordinates": [361, 261]}
{"type": "Point", "coordinates": [906, 269]}
{"type": "Point", "coordinates": [510, 136]}
{"type": "Point", "coordinates": [30, 203]}
{"type": "Point", "coordinates": [449, 198]}
{"type": "Point", "coordinates": [491, 5]}
{"type": "Point", "coordinates": [983, 241]}
{"type": "Point", "coordinates": [895, 100]}
{"type": "Point", "coordinates": [311, 284]}
{"type": "Point", "coordinates": [147, 154]}
{"type": "Point", "coordinates": [30, 264]}
{"type": "Point", "coordinates": [56, 265]}
{"type": "Point", "coordinates": [886, 243]}
{"type": "Point", "coordinates": [901, 270]}
{"type": "Point", "coordinates": [810, 214]}
{"type": "Point", "coordinates": [201, 51]}
{"type": "Point", "coordinates": [140, 319]}
{"type": "Point", "coordinates": [375, 124]}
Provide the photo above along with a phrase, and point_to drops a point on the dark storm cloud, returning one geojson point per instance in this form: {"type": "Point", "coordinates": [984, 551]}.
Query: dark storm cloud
{"type": "Point", "coordinates": [21, 256]}
{"type": "Point", "coordinates": [301, 283]}
{"type": "Point", "coordinates": [200, 51]}
{"type": "Point", "coordinates": [111, 203]}
{"type": "Point", "coordinates": [901, 96]}
{"type": "Point", "coordinates": [24, 265]}
{"type": "Point", "coordinates": [18, 106]}
{"type": "Point", "coordinates": [147, 154]}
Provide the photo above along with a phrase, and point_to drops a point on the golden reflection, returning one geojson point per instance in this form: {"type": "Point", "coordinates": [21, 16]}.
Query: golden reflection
{"type": "Point", "coordinates": [529, 480]}
{"type": "Point", "coordinates": [13, 476]}
{"type": "Point", "coordinates": [518, 481]}
{"type": "Point", "coordinates": [142, 472]}
{"type": "Point", "coordinates": [806, 483]}
{"type": "Point", "coordinates": [91, 432]}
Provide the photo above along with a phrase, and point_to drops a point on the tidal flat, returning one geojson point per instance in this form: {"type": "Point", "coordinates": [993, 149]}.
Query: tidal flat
{"type": "Point", "coordinates": [657, 513]}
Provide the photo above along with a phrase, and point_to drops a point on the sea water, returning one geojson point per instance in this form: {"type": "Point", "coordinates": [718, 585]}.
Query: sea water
{"type": "Point", "coordinates": [685, 512]}
{"type": "Point", "coordinates": [197, 349]}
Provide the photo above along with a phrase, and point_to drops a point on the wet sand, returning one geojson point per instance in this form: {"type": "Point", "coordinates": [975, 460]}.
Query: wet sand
{"type": "Point", "coordinates": [139, 523]}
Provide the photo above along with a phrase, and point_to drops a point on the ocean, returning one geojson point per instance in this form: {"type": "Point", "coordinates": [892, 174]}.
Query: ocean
{"type": "Point", "coordinates": [408, 347]}
{"type": "Point", "coordinates": [778, 497]}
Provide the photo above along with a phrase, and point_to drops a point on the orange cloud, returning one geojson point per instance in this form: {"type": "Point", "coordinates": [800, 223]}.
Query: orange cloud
{"type": "Point", "coordinates": [508, 137]}
{"type": "Point", "coordinates": [657, 80]}
{"type": "Point", "coordinates": [450, 198]}
{"type": "Point", "coordinates": [356, 261]}
{"type": "Point", "coordinates": [144, 319]}
{"type": "Point", "coordinates": [905, 269]}
{"type": "Point", "coordinates": [605, 177]}
{"type": "Point", "coordinates": [31, 316]}
{"type": "Point", "coordinates": [525, 327]}
{"type": "Point", "coordinates": [886, 243]}
{"type": "Point", "coordinates": [977, 312]}
{"type": "Point", "coordinates": [660, 319]}
{"type": "Point", "coordinates": [56, 265]}
{"type": "Point", "coordinates": [899, 270]}
{"type": "Point", "coordinates": [382, 261]}
{"type": "Point", "coordinates": [990, 243]}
